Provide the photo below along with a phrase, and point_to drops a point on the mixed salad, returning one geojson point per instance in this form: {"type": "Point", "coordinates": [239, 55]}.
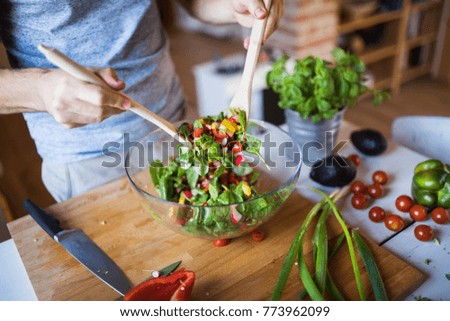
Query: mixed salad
{"type": "Point", "coordinates": [215, 170]}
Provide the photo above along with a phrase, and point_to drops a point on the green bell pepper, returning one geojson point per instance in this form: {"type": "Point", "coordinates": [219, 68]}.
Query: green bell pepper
{"type": "Point", "coordinates": [431, 184]}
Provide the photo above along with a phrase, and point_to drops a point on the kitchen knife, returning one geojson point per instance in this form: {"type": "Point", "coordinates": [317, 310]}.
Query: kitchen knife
{"type": "Point", "coordinates": [82, 248]}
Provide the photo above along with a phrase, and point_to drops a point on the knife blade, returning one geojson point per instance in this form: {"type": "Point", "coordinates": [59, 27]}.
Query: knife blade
{"type": "Point", "coordinates": [426, 135]}
{"type": "Point", "coordinates": [82, 248]}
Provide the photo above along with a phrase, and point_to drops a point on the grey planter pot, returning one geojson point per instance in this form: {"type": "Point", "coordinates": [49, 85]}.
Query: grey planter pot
{"type": "Point", "coordinates": [316, 140]}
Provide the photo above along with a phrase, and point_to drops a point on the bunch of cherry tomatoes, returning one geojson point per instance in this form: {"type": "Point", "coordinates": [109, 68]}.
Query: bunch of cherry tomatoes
{"type": "Point", "coordinates": [403, 203]}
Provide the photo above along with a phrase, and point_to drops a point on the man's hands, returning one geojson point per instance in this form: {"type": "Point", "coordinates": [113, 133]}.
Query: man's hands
{"type": "Point", "coordinates": [243, 12]}
{"type": "Point", "coordinates": [75, 103]}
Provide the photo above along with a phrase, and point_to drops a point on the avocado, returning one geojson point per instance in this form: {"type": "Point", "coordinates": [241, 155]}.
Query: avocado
{"type": "Point", "coordinates": [369, 141]}
{"type": "Point", "coordinates": [333, 171]}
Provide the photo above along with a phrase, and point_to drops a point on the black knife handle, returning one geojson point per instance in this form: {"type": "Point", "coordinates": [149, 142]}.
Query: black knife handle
{"type": "Point", "coordinates": [44, 219]}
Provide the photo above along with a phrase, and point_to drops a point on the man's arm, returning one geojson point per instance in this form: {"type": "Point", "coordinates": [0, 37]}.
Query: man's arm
{"type": "Point", "coordinates": [71, 102]}
{"type": "Point", "coordinates": [18, 92]}
{"type": "Point", "coordinates": [243, 12]}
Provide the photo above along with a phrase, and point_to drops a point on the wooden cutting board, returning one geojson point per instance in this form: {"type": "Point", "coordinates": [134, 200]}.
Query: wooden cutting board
{"type": "Point", "coordinates": [244, 270]}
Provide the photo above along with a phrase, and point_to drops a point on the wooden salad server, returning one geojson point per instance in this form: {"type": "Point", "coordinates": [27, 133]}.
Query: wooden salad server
{"type": "Point", "coordinates": [76, 70]}
{"type": "Point", "coordinates": [242, 97]}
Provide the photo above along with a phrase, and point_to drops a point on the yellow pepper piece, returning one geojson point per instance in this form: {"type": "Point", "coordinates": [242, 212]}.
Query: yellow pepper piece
{"type": "Point", "coordinates": [213, 126]}
{"type": "Point", "coordinates": [182, 199]}
{"type": "Point", "coordinates": [246, 189]}
{"type": "Point", "coordinates": [231, 127]}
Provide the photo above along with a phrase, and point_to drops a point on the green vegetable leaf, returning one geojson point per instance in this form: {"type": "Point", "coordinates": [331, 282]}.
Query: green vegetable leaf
{"type": "Point", "coordinates": [192, 175]}
{"type": "Point", "coordinates": [213, 189]}
{"type": "Point", "coordinates": [184, 131]}
{"type": "Point", "coordinates": [197, 124]}
{"type": "Point", "coordinates": [156, 167]}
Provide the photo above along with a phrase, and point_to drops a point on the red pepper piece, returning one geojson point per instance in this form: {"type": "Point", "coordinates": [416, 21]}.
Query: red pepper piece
{"type": "Point", "coordinates": [174, 287]}
{"type": "Point", "coordinates": [198, 132]}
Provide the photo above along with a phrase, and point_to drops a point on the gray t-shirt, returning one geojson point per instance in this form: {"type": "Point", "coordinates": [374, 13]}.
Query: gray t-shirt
{"type": "Point", "coordinates": [125, 35]}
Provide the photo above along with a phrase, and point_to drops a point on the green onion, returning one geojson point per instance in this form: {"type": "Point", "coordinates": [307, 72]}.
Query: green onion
{"type": "Point", "coordinates": [332, 289]}
{"type": "Point", "coordinates": [369, 262]}
{"type": "Point", "coordinates": [293, 252]}
{"type": "Point", "coordinates": [307, 280]}
{"type": "Point", "coordinates": [320, 284]}
{"type": "Point", "coordinates": [320, 253]}
{"type": "Point", "coordinates": [351, 249]}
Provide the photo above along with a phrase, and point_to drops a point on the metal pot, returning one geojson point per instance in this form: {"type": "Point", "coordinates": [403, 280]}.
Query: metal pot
{"type": "Point", "coordinates": [316, 140]}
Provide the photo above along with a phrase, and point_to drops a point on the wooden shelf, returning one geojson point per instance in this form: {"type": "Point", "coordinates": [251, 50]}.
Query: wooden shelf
{"type": "Point", "coordinates": [383, 83]}
{"type": "Point", "coordinates": [415, 72]}
{"type": "Point", "coordinates": [421, 40]}
{"type": "Point", "coordinates": [395, 46]}
{"type": "Point", "coordinates": [369, 21]}
{"type": "Point", "coordinates": [378, 53]}
{"type": "Point", "coordinates": [428, 5]}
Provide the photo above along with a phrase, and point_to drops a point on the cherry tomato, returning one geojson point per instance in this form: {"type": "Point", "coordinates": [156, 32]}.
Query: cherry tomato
{"type": "Point", "coordinates": [418, 213]}
{"type": "Point", "coordinates": [375, 190]}
{"type": "Point", "coordinates": [258, 235]}
{"type": "Point", "coordinates": [404, 203]}
{"type": "Point", "coordinates": [221, 242]}
{"type": "Point", "coordinates": [423, 232]}
{"type": "Point", "coordinates": [358, 187]}
{"type": "Point", "coordinates": [355, 159]}
{"type": "Point", "coordinates": [380, 177]}
{"type": "Point", "coordinates": [377, 214]}
{"type": "Point", "coordinates": [394, 222]}
{"type": "Point", "coordinates": [440, 215]}
{"type": "Point", "coordinates": [359, 201]}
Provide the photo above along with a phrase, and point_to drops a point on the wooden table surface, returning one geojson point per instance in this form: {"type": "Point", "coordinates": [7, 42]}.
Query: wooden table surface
{"type": "Point", "coordinates": [114, 219]}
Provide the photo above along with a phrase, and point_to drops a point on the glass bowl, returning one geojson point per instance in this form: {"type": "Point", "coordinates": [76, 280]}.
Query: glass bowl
{"type": "Point", "coordinates": [278, 177]}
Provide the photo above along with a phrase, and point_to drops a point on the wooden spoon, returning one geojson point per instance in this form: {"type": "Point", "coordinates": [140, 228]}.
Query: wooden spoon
{"type": "Point", "coordinates": [76, 70]}
{"type": "Point", "coordinates": [242, 97]}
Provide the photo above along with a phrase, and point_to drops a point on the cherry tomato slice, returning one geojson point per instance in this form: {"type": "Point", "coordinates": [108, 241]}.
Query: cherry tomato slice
{"type": "Point", "coordinates": [418, 213]}
{"type": "Point", "coordinates": [258, 235]}
{"type": "Point", "coordinates": [423, 232]}
{"type": "Point", "coordinates": [404, 203]}
{"type": "Point", "coordinates": [358, 187]}
{"type": "Point", "coordinates": [375, 190]}
{"type": "Point", "coordinates": [359, 201]}
{"type": "Point", "coordinates": [355, 159]}
{"type": "Point", "coordinates": [377, 214]}
{"type": "Point", "coordinates": [237, 147]}
{"type": "Point", "coordinates": [221, 242]}
{"type": "Point", "coordinates": [394, 222]}
{"type": "Point", "coordinates": [440, 215]}
{"type": "Point", "coordinates": [380, 177]}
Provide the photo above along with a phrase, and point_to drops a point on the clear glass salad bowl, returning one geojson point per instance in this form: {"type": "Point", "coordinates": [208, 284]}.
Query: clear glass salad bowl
{"type": "Point", "coordinates": [279, 173]}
